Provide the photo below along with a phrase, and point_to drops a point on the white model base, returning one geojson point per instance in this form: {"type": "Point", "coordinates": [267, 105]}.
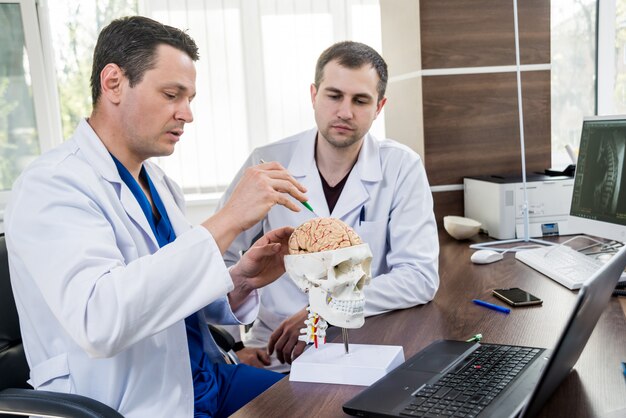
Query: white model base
{"type": "Point", "coordinates": [329, 363]}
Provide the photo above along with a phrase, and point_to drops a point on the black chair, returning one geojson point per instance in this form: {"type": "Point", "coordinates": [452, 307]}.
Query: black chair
{"type": "Point", "coordinates": [16, 396]}
{"type": "Point", "coordinates": [225, 342]}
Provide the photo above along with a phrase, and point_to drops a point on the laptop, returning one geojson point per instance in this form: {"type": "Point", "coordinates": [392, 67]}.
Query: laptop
{"type": "Point", "coordinates": [434, 382]}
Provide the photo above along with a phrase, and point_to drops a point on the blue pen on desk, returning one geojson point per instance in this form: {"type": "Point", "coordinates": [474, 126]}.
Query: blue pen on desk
{"type": "Point", "coordinates": [491, 306]}
{"type": "Point", "coordinates": [362, 215]}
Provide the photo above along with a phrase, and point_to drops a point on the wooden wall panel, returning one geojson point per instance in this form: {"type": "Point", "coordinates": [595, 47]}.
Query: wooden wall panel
{"type": "Point", "coordinates": [537, 120]}
{"type": "Point", "coordinates": [469, 122]}
{"type": "Point", "coordinates": [534, 23]}
{"type": "Point", "coordinates": [471, 125]}
{"type": "Point", "coordinates": [480, 33]}
{"type": "Point", "coordinates": [447, 203]}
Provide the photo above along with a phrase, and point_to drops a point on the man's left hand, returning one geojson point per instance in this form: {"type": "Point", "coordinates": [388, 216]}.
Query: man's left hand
{"type": "Point", "coordinates": [260, 265]}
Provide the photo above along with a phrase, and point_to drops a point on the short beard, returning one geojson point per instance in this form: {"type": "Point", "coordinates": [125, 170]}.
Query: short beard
{"type": "Point", "coordinates": [345, 143]}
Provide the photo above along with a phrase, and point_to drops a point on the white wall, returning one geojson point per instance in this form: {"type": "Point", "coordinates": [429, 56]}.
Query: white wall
{"type": "Point", "coordinates": [198, 211]}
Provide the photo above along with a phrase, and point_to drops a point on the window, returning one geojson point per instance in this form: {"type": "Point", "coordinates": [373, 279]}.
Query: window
{"type": "Point", "coordinates": [73, 31]}
{"type": "Point", "coordinates": [612, 57]}
{"type": "Point", "coordinates": [574, 56]}
{"type": "Point", "coordinates": [573, 68]}
{"type": "Point", "coordinates": [257, 61]}
{"type": "Point", "coordinates": [28, 124]}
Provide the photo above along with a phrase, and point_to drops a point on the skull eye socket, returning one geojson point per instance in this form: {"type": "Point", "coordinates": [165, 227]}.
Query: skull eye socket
{"type": "Point", "coordinates": [349, 269]}
{"type": "Point", "coordinates": [343, 267]}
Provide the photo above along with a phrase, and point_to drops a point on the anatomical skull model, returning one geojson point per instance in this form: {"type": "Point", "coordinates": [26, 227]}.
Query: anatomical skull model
{"type": "Point", "coordinates": [329, 261]}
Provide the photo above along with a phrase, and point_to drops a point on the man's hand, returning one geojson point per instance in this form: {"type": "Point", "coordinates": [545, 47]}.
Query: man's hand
{"type": "Point", "coordinates": [261, 187]}
{"type": "Point", "coordinates": [285, 339]}
{"type": "Point", "coordinates": [260, 265]}
{"type": "Point", "coordinates": [256, 357]}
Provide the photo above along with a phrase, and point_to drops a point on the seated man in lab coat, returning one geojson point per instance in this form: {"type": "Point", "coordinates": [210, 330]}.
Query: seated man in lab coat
{"type": "Point", "coordinates": [378, 187]}
{"type": "Point", "coordinates": [114, 288]}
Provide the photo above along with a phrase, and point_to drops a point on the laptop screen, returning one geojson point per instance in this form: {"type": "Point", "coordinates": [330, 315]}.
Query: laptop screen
{"type": "Point", "coordinates": [592, 299]}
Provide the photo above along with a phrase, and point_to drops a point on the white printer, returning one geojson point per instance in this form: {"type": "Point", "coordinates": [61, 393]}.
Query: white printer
{"type": "Point", "coordinates": [497, 203]}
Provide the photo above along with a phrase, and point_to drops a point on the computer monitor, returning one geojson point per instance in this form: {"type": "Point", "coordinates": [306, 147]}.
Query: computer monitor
{"type": "Point", "coordinates": [599, 196]}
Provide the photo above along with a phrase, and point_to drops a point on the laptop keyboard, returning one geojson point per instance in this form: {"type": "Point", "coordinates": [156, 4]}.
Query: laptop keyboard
{"type": "Point", "coordinates": [467, 390]}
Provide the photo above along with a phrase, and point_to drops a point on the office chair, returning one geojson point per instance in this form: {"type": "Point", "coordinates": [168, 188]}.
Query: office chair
{"type": "Point", "coordinates": [225, 342]}
{"type": "Point", "coordinates": [16, 396]}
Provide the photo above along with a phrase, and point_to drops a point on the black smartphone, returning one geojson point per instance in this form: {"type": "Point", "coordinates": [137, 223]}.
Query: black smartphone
{"type": "Point", "coordinates": [517, 297]}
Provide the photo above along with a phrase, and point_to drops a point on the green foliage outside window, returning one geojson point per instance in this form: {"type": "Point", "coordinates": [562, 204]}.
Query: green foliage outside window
{"type": "Point", "coordinates": [18, 135]}
{"type": "Point", "coordinates": [75, 27]}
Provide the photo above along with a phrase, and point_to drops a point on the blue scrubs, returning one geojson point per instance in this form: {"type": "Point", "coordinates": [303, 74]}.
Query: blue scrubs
{"type": "Point", "coordinates": [219, 389]}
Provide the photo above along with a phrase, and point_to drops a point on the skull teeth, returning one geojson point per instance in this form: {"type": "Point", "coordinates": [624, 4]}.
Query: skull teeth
{"type": "Point", "coordinates": [350, 307]}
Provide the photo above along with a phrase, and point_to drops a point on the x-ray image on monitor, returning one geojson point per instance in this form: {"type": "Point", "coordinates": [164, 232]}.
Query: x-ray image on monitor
{"type": "Point", "coordinates": [600, 184]}
{"type": "Point", "coordinates": [602, 177]}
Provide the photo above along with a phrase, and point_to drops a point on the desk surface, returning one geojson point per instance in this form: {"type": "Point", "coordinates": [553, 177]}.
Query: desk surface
{"type": "Point", "coordinates": [595, 388]}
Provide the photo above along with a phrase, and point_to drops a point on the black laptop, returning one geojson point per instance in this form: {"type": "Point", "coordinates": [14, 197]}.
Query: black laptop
{"type": "Point", "coordinates": [462, 379]}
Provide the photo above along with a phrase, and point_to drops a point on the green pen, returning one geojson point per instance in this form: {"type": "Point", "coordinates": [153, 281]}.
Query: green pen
{"type": "Point", "coordinates": [305, 204]}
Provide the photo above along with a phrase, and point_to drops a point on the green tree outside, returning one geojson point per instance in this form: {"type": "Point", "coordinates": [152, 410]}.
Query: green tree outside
{"type": "Point", "coordinates": [75, 37]}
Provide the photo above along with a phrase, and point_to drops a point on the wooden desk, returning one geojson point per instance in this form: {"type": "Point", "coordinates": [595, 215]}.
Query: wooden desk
{"type": "Point", "coordinates": [595, 388]}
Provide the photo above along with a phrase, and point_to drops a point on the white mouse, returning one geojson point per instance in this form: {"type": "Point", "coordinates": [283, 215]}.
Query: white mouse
{"type": "Point", "coordinates": [485, 256]}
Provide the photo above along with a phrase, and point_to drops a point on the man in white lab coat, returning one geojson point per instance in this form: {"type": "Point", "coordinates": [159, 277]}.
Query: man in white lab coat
{"type": "Point", "coordinates": [113, 286]}
{"type": "Point", "coordinates": [379, 188]}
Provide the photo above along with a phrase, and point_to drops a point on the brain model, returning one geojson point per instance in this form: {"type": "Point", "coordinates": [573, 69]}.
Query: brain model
{"type": "Point", "coordinates": [322, 234]}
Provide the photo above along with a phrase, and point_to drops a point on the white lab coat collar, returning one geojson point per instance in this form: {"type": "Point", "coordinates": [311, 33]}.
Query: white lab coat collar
{"type": "Point", "coordinates": [95, 152]}
{"type": "Point", "coordinates": [100, 159]}
{"type": "Point", "coordinates": [366, 170]}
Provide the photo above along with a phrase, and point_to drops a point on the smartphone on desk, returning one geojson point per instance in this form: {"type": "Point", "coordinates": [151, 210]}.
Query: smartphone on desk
{"type": "Point", "coordinates": [517, 297]}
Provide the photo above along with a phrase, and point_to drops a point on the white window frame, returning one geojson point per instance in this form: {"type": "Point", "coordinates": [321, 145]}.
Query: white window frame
{"type": "Point", "coordinates": [45, 97]}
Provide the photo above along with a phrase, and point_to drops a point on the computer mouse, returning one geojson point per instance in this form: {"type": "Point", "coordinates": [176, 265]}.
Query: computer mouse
{"type": "Point", "coordinates": [485, 256]}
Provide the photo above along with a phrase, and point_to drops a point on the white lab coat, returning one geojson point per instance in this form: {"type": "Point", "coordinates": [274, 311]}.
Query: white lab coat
{"type": "Point", "coordinates": [389, 182]}
{"type": "Point", "coordinates": [101, 307]}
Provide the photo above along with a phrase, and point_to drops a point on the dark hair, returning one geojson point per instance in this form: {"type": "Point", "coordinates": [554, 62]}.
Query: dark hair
{"type": "Point", "coordinates": [131, 42]}
{"type": "Point", "coordinates": [353, 55]}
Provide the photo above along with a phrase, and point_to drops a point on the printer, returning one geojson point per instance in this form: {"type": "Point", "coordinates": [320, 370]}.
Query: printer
{"type": "Point", "coordinates": [497, 203]}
